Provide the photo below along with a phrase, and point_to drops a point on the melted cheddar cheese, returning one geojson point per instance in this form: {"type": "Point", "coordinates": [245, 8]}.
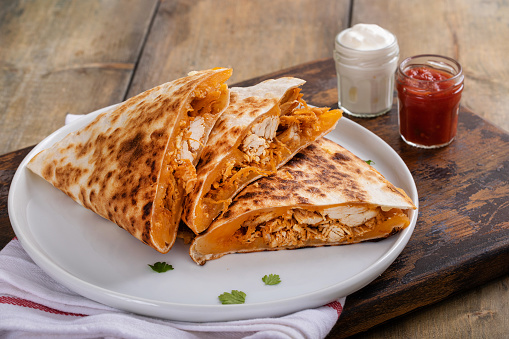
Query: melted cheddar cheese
{"type": "Point", "coordinates": [287, 230]}
{"type": "Point", "coordinates": [178, 173]}
{"type": "Point", "coordinates": [283, 228]}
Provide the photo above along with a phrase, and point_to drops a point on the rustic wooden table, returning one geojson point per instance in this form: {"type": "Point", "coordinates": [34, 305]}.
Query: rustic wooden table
{"type": "Point", "coordinates": [77, 56]}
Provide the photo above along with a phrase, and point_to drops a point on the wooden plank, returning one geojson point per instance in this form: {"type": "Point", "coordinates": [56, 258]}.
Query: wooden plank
{"type": "Point", "coordinates": [461, 238]}
{"type": "Point", "coordinates": [8, 164]}
{"type": "Point", "coordinates": [473, 32]}
{"type": "Point", "coordinates": [252, 37]}
{"type": "Point", "coordinates": [478, 313]}
{"type": "Point", "coordinates": [59, 57]}
{"type": "Point", "coordinates": [462, 235]}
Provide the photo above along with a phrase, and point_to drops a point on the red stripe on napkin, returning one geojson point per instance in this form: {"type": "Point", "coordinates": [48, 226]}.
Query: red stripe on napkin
{"type": "Point", "coordinates": [337, 306]}
{"type": "Point", "coordinates": [30, 304]}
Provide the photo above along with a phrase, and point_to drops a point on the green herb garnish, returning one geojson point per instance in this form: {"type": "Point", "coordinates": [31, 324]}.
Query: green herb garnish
{"type": "Point", "coordinates": [271, 279]}
{"type": "Point", "coordinates": [370, 162]}
{"type": "Point", "coordinates": [161, 267]}
{"type": "Point", "coordinates": [235, 297]}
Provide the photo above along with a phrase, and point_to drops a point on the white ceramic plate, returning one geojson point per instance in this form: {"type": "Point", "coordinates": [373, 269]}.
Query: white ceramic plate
{"type": "Point", "coordinates": [100, 261]}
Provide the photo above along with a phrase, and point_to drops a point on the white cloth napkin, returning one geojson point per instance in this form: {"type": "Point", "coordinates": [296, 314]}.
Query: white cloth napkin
{"type": "Point", "coordinates": [32, 304]}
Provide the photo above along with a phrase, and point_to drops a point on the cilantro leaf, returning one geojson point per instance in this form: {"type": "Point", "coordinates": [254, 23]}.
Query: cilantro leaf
{"type": "Point", "coordinates": [235, 297]}
{"type": "Point", "coordinates": [161, 267]}
{"type": "Point", "coordinates": [271, 279]}
{"type": "Point", "coordinates": [370, 162]}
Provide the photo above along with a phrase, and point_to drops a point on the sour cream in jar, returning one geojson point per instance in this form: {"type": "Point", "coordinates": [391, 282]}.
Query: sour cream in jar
{"type": "Point", "coordinates": [366, 57]}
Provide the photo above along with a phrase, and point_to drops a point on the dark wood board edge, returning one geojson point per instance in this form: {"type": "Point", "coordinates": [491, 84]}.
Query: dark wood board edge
{"type": "Point", "coordinates": [372, 306]}
{"type": "Point", "coordinates": [8, 165]}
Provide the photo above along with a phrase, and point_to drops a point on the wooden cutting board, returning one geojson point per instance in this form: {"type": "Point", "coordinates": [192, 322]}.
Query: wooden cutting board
{"type": "Point", "coordinates": [461, 239]}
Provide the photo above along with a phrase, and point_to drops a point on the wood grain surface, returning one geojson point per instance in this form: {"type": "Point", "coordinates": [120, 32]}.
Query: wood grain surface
{"type": "Point", "coordinates": [59, 57]}
{"type": "Point", "coordinates": [77, 56]}
{"type": "Point", "coordinates": [252, 37]}
{"type": "Point", "coordinates": [473, 32]}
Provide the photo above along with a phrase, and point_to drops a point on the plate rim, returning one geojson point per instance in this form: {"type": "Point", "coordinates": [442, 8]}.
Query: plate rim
{"type": "Point", "coordinates": [157, 308]}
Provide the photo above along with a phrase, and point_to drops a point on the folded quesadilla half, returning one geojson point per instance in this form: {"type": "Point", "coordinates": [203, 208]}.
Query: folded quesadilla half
{"type": "Point", "coordinates": [133, 163]}
{"type": "Point", "coordinates": [325, 195]}
{"type": "Point", "coordinates": [262, 128]}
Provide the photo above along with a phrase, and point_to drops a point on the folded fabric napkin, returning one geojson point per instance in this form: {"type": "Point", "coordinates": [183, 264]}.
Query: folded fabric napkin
{"type": "Point", "coordinates": [32, 304]}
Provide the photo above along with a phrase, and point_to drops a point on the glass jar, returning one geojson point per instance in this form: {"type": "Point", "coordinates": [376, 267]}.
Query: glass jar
{"type": "Point", "coordinates": [429, 92]}
{"type": "Point", "coordinates": [366, 77]}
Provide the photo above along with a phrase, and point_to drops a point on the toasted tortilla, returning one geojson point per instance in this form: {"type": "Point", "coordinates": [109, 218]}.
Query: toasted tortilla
{"type": "Point", "coordinates": [133, 164]}
{"type": "Point", "coordinates": [262, 128]}
{"type": "Point", "coordinates": [325, 195]}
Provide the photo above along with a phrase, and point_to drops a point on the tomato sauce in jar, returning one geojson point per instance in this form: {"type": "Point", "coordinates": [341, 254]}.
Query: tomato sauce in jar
{"type": "Point", "coordinates": [429, 92]}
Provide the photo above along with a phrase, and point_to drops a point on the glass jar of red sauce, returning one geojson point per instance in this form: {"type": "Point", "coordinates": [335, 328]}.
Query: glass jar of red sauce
{"type": "Point", "coordinates": [429, 91]}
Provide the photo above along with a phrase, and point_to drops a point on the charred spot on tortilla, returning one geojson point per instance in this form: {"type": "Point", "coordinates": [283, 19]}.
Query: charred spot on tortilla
{"type": "Point", "coordinates": [248, 195]}
{"type": "Point", "coordinates": [109, 174]}
{"type": "Point", "coordinates": [236, 130]}
{"type": "Point", "coordinates": [226, 214]}
{"type": "Point", "coordinates": [277, 197]}
{"type": "Point", "coordinates": [297, 174]}
{"type": "Point", "coordinates": [254, 107]}
{"type": "Point", "coordinates": [302, 200]}
{"type": "Point", "coordinates": [355, 195]}
{"type": "Point", "coordinates": [314, 190]}
{"type": "Point", "coordinates": [147, 208]}
{"type": "Point", "coordinates": [341, 157]}
{"type": "Point", "coordinates": [145, 236]}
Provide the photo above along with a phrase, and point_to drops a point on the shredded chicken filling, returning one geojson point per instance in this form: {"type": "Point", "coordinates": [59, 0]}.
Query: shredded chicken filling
{"type": "Point", "coordinates": [288, 230]}
{"type": "Point", "coordinates": [203, 107]}
{"type": "Point", "coordinates": [265, 146]}
{"type": "Point", "coordinates": [191, 135]}
{"type": "Point", "coordinates": [179, 174]}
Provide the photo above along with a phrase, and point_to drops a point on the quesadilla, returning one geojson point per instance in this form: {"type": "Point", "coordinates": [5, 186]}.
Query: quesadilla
{"type": "Point", "coordinates": [133, 163]}
{"type": "Point", "coordinates": [262, 128]}
{"type": "Point", "coordinates": [325, 195]}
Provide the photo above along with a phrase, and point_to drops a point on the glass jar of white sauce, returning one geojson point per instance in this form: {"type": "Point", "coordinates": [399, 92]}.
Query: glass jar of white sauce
{"type": "Point", "coordinates": [366, 58]}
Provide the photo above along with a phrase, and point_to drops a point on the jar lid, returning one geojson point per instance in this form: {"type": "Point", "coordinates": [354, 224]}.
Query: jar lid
{"type": "Point", "coordinates": [365, 37]}
{"type": "Point", "coordinates": [366, 59]}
